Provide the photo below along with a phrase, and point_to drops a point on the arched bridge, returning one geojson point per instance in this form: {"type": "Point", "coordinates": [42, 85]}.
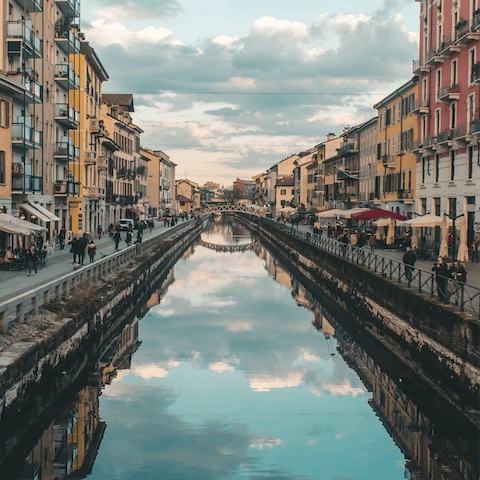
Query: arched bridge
{"type": "Point", "coordinates": [229, 209]}
{"type": "Point", "coordinates": [226, 248]}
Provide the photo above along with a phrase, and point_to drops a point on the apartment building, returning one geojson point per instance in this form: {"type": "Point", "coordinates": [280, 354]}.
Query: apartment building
{"type": "Point", "coordinates": [368, 137]}
{"type": "Point", "coordinates": [396, 165]}
{"type": "Point", "coordinates": [325, 150]}
{"type": "Point", "coordinates": [448, 172]}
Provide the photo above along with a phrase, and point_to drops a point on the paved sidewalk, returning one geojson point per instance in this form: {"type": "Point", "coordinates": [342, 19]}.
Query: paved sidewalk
{"type": "Point", "coordinates": [61, 262]}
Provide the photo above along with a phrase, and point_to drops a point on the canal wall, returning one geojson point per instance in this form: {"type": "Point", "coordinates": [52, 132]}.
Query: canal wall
{"type": "Point", "coordinates": [54, 346]}
{"type": "Point", "coordinates": [437, 342]}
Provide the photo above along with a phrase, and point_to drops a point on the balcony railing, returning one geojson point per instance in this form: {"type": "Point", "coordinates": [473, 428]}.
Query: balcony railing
{"type": "Point", "coordinates": [350, 147]}
{"type": "Point", "coordinates": [19, 31]}
{"type": "Point", "coordinates": [460, 131]}
{"type": "Point", "coordinates": [27, 183]}
{"type": "Point", "coordinates": [28, 136]}
{"type": "Point", "coordinates": [445, 136]}
{"type": "Point", "coordinates": [447, 89]}
{"type": "Point", "coordinates": [70, 8]}
{"type": "Point", "coordinates": [429, 141]}
{"type": "Point", "coordinates": [476, 20]}
{"type": "Point", "coordinates": [461, 30]}
{"type": "Point", "coordinates": [65, 75]}
{"type": "Point", "coordinates": [421, 106]}
{"type": "Point", "coordinates": [66, 149]}
{"type": "Point", "coordinates": [65, 37]}
{"type": "Point", "coordinates": [445, 45]}
{"type": "Point", "coordinates": [417, 64]}
{"type": "Point", "coordinates": [66, 113]}
{"type": "Point", "coordinates": [475, 75]}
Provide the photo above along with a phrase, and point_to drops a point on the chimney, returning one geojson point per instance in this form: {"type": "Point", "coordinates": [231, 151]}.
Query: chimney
{"type": "Point", "coordinates": [330, 136]}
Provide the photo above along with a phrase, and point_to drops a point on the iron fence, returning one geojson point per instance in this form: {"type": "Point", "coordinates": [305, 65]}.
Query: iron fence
{"type": "Point", "coordinates": [465, 296]}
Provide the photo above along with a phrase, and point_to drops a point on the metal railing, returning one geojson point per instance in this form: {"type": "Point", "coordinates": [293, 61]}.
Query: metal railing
{"type": "Point", "coordinates": [16, 308]}
{"type": "Point", "coordinates": [467, 297]}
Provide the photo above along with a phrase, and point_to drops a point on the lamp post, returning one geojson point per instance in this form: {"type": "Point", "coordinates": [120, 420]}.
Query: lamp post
{"type": "Point", "coordinates": [453, 218]}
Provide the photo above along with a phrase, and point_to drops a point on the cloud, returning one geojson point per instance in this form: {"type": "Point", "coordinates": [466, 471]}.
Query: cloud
{"type": "Point", "coordinates": [140, 10]}
{"type": "Point", "coordinates": [270, 27]}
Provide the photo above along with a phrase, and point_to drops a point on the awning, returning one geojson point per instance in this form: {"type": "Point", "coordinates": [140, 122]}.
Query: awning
{"type": "Point", "coordinates": [137, 211]}
{"type": "Point", "coordinates": [47, 213]}
{"type": "Point", "coordinates": [331, 213]}
{"type": "Point", "coordinates": [34, 212]}
{"type": "Point", "coordinates": [352, 211]}
{"type": "Point", "coordinates": [377, 213]}
{"type": "Point", "coordinates": [425, 221]}
{"type": "Point", "coordinates": [15, 226]}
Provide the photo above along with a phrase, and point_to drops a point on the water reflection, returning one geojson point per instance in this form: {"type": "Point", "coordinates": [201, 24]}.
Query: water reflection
{"type": "Point", "coordinates": [232, 381]}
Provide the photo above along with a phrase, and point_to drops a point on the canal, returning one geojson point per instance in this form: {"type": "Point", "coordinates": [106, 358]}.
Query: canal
{"type": "Point", "coordinates": [236, 372]}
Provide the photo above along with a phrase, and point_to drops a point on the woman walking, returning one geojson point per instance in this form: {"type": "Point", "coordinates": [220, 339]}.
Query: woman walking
{"type": "Point", "coordinates": [92, 250]}
{"type": "Point", "coordinates": [31, 259]}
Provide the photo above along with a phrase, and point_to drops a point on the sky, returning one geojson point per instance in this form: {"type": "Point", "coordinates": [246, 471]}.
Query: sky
{"type": "Point", "coordinates": [229, 88]}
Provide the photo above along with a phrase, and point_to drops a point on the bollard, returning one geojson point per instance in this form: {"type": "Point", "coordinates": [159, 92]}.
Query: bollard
{"type": "Point", "coordinates": [3, 322]}
{"type": "Point", "coordinates": [58, 293]}
{"type": "Point", "coordinates": [65, 289]}
{"type": "Point", "coordinates": [46, 297]}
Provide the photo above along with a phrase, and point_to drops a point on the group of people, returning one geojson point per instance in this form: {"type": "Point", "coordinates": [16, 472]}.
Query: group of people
{"type": "Point", "coordinates": [29, 257]}
{"type": "Point", "coordinates": [443, 273]}
{"type": "Point", "coordinates": [81, 245]}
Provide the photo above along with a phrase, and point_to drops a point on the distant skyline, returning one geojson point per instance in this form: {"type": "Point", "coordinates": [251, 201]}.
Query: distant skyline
{"type": "Point", "coordinates": [227, 89]}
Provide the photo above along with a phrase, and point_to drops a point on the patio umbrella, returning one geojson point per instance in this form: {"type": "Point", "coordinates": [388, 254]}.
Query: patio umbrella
{"type": "Point", "coordinates": [425, 221]}
{"type": "Point", "coordinates": [416, 232]}
{"type": "Point", "coordinates": [352, 212]}
{"type": "Point", "coordinates": [330, 213]}
{"type": "Point", "coordinates": [380, 233]}
{"type": "Point", "coordinates": [444, 245]}
{"type": "Point", "coordinates": [376, 213]}
{"type": "Point", "coordinates": [463, 249]}
{"type": "Point", "coordinates": [391, 232]}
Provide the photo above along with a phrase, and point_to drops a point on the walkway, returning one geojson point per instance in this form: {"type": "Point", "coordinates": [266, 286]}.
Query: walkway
{"type": "Point", "coordinates": [61, 262]}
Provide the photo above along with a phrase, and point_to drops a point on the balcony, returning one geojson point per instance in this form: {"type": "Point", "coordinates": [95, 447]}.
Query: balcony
{"type": "Point", "coordinates": [31, 5]}
{"type": "Point", "coordinates": [33, 88]}
{"type": "Point", "coordinates": [447, 47]}
{"type": "Point", "coordinates": [449, 92]}
{"type": "Point", "coordinates": [66, 76]}
{"type": "Point", "coordinates": [21, 38]}
{"type": "Point", "coordinates": [388, 161]}
{"type": "Point", "coordinates": [93, 193]}
{"type": "Point", "coordinates": [445, 137]}
{"type": "Point", "coordinates": [26, 183]}
{"type": "Point", "coordinates": [70, 8]}
{"type": "Point", "coordinates": [66, 38]}
{"type": "Point", "coordinates": [433, 57]}
{"type": "Point", "coordinates": [419, 66]}
{"type": "Point", "coordinates": [475, 127]}
{"type": "Point", "coordinates": [60, 188]}
{"type": "Point", "coordinates": [348, 149]}
{"type": "Point", "coordinates": [67, 115]}
{"type": "Point", "coordinates": [463, 34]}
{"type": "Point", "coordinates": [462, 135]}
{"type": "Point", "coordinates": [476, 19]}
{"type": "Point", "coordinates": [421, 107]}
{"type": "Point", "coordinates": [127, 199]}
{"type": "Point", "coordinates": [65, 151]}
{"type": "Point", "coordinates": [24, 135]}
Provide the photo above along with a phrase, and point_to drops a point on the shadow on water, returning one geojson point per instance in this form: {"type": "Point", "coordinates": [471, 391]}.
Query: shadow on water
{"type": "Point", "coordinates": [435, 440]}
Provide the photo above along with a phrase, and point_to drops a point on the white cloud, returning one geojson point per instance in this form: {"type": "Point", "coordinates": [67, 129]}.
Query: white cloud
{"type": "Point", "coordinates": [308, 356]}
{"type": "Point", "coordinates": [225, 40]}
{"type": "Point", "coordinates": [153, 371]}
{"type": "Point", "coordinates": [266, 382]}
{"type": "Point", "coordinates": [221, 367]}
{"type": "Point", "coordinates": [261, 443]}
{"type": "Point", "coordinates": [239, 327]}
{"type": "Point", "coordinates": [270, 26]}
{"type": "Point", "coordinates": [345, 389]}
{"type": "Point", "coordinates": [349, 21]}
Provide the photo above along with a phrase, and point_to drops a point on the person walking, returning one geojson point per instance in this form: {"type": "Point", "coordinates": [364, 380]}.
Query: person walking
{"type": "Point", "coordinates": [475, 247]}
{"type": "Point", "coordinates": [459, 274]}
{"type": "Point", "coordinates": [150, 225]}
{"type": "Point", "coordinates": [31, 259]}
{"type": "Point", "coordinates": [372, 242]}
{"type": "Point", "coordinates": [409, 259]}
{"type": "Point", "coordinates": [92, 250]}
{"type": "Point", "coordinates": [99, 231]}
{"type": "Point", "coordinates": [128, 238]}
{"type": "Point", "coordinates": [61, 238]}
{"type": "Point", "coordinates": [8, 258]}
{"type": "Point", "coordinates": [442, 275]}
{"type": "Point", "coordinates": [353, 239]}
{"type": "Point", "coordinates": [116, 238]}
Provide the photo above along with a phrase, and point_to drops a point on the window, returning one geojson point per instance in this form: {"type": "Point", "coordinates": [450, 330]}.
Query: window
{"type": "Point", "coordinates": [425, 89]}
{"type": "Point", "coordinates": [399, 110]}
{"type": "Point", "coordinates": [437, 203]}
{"type": "Point", "coordinates": [454, 72]}
{"type": "Point", "coordinates": [2, 168]}
{"type": "Point", "coordinates": [393, 145]}
{"type": "Point", "coordinates": [452, 207]}
{"type": "Point", "coordinates": [438, 84]}
{"type": "Point", "coordinates": [470, 163]}
{"type": "Point", "coordinates": [283, 191]}
{"type": "Point", "coordinates": [409, 179]}
{"type": "Point", "coordinates": [471, 63]}
{"type": "Point", "coordinates": [437, 124]}
{"type": "Point", "coordinates": [393, 114]}
{"type": "Point", "coordinates": [423, 170]}
{"type": "Point", "coordinates": [437, 167]}
{"type": "Point", "coordinates": [4, 114]}
{"type": "Point", "coordinates": [452, 166]}
{"type": "Point", "coordinates": [453, 115]}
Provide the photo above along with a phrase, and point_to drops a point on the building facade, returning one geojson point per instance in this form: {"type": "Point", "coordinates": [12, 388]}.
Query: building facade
{"type": "Point", "coordinates": [368, 136]}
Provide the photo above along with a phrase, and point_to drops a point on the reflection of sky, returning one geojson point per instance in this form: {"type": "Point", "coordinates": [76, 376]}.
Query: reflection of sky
{"type": "Point", "coordinates": [233, 381]}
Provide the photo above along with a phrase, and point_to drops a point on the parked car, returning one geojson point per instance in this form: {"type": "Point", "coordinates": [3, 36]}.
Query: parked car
{"type": "Point", "coordinates": [125, 224]}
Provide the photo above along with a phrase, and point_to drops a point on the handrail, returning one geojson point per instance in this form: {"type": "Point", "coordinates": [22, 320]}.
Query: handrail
{"type": "Point", "coordinates": [466, 296]}
{"type": "Point", "coordinates": [16, 308]}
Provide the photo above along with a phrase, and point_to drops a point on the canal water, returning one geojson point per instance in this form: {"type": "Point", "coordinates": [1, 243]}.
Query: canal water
{"type": "Point", "coordinates": [234, 373]}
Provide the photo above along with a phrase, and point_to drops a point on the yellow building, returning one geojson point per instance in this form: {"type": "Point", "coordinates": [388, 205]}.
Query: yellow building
{"type": "Point", "coordinates": [86, 180]}
{"type": "Point", "coordinates": [325, 150]}
{"type": "Point", "coordinates": [396, 166]}
{"type": "Point", "coordinates": [190, 194]}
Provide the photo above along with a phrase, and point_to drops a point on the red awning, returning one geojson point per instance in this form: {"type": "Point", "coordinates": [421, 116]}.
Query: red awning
{"type": "Point", "coordinates": [377, 213]}
{"type": "Point", "coordinates": [137, 211]}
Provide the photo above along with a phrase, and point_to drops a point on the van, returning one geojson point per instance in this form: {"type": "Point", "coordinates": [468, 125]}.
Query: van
{"type": "Point", "coordinates": [125, 224]}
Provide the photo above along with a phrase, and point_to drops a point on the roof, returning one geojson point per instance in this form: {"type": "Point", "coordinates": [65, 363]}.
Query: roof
{"type": "Point", "coordinates": [93, 59]}
{"type": "Point", "coordinates": [368, 124]}
{"type": "Point", "coordinates": [285, 182]}
{"type": "Point", "coordinates": [181, 198]}
{"type": "Point", "coordinates": [119, 99]}
{"type": "Point", "coordinates": [398, 92]}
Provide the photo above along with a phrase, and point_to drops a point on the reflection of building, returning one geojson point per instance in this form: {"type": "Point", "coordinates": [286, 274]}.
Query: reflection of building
{"type": "Point", "coordinates": [157, 296]}
{"type": "Point", "coordinates": [431, 452]}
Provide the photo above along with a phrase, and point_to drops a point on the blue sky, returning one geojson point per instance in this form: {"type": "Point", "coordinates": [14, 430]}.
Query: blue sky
{"type": "Point", "coordinates": [228, 88]}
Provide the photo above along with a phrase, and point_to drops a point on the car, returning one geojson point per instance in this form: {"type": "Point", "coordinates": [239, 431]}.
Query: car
{"type": "Point", "coordinates": [125, 224]}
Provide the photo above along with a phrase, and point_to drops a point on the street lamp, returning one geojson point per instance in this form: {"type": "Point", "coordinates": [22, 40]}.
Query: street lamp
{"type": "Point", "coordinates": [453, 218]}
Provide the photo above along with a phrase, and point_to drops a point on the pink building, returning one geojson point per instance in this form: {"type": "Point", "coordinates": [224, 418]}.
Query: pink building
{"type": "Point", "coordinates": [447, 105]}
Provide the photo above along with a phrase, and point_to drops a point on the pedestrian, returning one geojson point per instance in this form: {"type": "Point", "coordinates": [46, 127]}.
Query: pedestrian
{"type": "Point", "coordinates": [409, 259]}
{"type": "Point", "coordinates": [475, 247]}
{"type": "Point", "coordinates": [99, 231]}
{"type": "Point", "coordinates": [111, 230]}
{"type": "Point", "coordinates": [344, 240]}
{"type": "Point", "coordinates": [150, 225]}
{"type": "Point", "coordinates": [92, 250]}
{"type": "Point", "coordinates": [372, 242]}
{"type": "Point", "coordinates": [61, 238]}
{"type": "Point", "coordinates": [81, 247]}
{"type": "Point", "coordinates": [31, 259]}
{"type": "Point", "coordinates": [164, 221]}
{"type": "Point", "coordinates": [442, 275]}
{"type": "Point", "coordinates": [8, 258]}
{"type": "Point", "coordinates": [139, 236]}
{"type": "Point", "coordinates": [128, 238]}
{"type": "Point", "coordinates": [458, 272]}
{"type": "Point", "coordinates": [116, 238]}
{"type": "Point", "coordinates": [353, 239]}
{"type": "Point", "coordinates": [450, 242]}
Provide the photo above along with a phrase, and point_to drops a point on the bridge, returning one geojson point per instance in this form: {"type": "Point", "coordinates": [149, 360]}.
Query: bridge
{"type": "Point", "coordinates": [227, 248]}
{"type": "Point", "coordinates": [234, 208]}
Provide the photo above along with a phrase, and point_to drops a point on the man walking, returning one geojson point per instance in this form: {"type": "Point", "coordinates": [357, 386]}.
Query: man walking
{"type": "Point", "coordinates": [441, 276]}
{"type": "Point", "coordinates": [409, 259]}
{"type": "Point", "coordinates": [116, 238]}
{"type": "Point", "coordinates": [31, 259]}
{"type": "Point", "coordinates": [61, 238]}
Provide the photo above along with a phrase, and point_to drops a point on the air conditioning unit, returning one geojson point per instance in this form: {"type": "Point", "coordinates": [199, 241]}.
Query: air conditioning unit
{"type": "Point", "coordinates": [17, 169]}
{"type": "Point", "coordinates": [94, 125]}
{"type": "Point", "coordinates": [350, 190]}
{"type": "Point", "coordinates": [89, 157]}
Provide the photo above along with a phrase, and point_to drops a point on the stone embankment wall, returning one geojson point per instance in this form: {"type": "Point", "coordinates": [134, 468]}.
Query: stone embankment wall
{"type": "Point", "coordinates": [73, 331]}
{"type": "Point", "coordinates": [440, 343]}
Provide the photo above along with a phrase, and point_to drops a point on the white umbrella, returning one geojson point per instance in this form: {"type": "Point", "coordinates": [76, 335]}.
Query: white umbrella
{"type": "Point", "coordinates": [391, 232]}
{"type": "Point", "coordinates": [380, 233]}
{"type": "Point", "coordinates": [330, 213]}
{"type": "Point", "coordinates": [383, 222]}
{"type": "Point", "coordinates": [444, 245]}
{"type": "Point", "coordinates": [416, 232]}
{"type": "Point", "coordinates": [425, 221]}
{"type": "Point", "coordinates": [352, 211]}
{"type": "Point", "coordinates": [463, 249]}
